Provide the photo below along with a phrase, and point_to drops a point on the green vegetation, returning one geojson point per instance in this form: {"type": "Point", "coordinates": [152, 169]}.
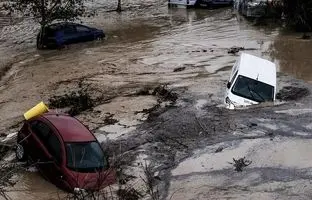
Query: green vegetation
{"type": "Point", "coordinates": [298, 13]}
{"type": "Point", "coordinates": [47, 11]}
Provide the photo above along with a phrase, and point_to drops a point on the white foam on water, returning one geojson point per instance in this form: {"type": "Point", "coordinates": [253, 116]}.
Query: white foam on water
{"type": "Point", "coordinates": [295, 112]}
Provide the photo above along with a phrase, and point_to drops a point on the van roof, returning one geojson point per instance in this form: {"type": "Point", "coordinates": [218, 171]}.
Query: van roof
{"type": "Point", "coordinates": [257, 68]}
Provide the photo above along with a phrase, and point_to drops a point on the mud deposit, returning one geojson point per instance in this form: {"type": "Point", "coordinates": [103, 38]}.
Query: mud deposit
{"type": "Point", "coordinates": [152, 94]}
{"type": "Point", "coordinates": [76, 102]}
{"type": "Point", "coordinates": [289, 93]}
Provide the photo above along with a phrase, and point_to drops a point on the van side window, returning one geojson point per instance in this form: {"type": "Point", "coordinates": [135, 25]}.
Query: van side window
{"type": "Point", "coordinates": [234, 76]}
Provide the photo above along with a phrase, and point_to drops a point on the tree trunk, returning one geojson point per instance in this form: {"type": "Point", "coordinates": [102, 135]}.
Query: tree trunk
{"type": "Point", "coordinates": [40, 37]}
{"type": "Point", "coordinates": [119, 6]}
{"type": "Point", "coordinates": [43, 13]}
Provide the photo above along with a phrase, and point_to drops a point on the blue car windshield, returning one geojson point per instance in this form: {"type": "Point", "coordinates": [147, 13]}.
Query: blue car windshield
{"type": "Point", "coordinates": [85, 157]}
{"type": "Point", "coordinates": [253, 89]}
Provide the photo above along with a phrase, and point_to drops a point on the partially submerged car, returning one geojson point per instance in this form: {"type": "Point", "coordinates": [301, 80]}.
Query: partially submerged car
{"type": "Point", "coordinates": [252, 81]}
{"type": "Point", "coordinates": [65, 152]}
{"type": "Point", "coordinates": [251, 8]}
{"type": "Point", "coordinates": [64, 33]}
{"type": "Point", "coordinates": [199, 3]}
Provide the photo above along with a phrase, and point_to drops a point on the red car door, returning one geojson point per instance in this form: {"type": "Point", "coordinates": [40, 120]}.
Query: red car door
{"type": "Point", "coordinates": [54, 147]}
{"type": "Point", "coordinates": [46, 151]}
{"type": "Point", "coordinates": [35, 143]}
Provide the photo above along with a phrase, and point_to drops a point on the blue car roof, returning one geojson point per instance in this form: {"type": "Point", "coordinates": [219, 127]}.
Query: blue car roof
{"type": "Point", "coordinates": [61, 25]}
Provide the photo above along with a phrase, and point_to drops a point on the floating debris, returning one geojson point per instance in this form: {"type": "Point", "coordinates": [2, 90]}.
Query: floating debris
{"type": "Point", "coordinates": [77, 102]}
{"type": "Point", "coordinates": [306, 36]}
{"type": "Point", "coordinates": [109, 120]}
{"type": "Point", "coordinates": [129, 194]}
{"type": "Point", "coordinates": [219, 149]}
{"type": "Point", "coordinates": [235, 50]}
{"type": "Point", "coordinates": [240, 164]}
{"type": "Point", "coordinates": [163, 93]}
{"type": "Point", "coordinates": [179, 69]}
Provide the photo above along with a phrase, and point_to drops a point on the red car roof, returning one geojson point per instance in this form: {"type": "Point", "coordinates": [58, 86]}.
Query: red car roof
{"type": "Point", "coordinates": [70, 129]}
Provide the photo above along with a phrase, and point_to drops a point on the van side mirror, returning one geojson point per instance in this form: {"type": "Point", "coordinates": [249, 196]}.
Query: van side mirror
{"type": "Point", "coordinates": [228, 85]}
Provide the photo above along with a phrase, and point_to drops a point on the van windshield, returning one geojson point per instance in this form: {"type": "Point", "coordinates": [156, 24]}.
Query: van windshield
{"type": "Point", "coordinates": [85, 157]}
{"type": "Point", "coordinates": [253, 89]}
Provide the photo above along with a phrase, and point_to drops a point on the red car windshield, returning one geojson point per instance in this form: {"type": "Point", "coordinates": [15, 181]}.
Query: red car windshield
{"type": "Point", "coordinates": [85, 157]}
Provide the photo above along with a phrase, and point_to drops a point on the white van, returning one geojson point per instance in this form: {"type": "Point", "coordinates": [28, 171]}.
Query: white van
{"type": "Point", "coordinates": [252, 81]}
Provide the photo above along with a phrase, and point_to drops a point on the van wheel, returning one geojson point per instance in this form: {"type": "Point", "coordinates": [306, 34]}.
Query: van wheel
{"type": "Point", "coordinates": [20, 153]}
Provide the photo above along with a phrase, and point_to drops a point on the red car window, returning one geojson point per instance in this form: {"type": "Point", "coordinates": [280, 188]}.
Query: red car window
{"type": "Point", "coordinates": [48, 138]}
{"type": "Point", "coordinates": [41, 130]}
{"type": "Point", "coordinates": [85, 157]}
{"type": "Point", "coordinates": [54, 147]}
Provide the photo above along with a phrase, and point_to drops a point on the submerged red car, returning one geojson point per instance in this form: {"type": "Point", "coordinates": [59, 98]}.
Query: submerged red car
{"type": "Point", "coordinates": [65, 152]}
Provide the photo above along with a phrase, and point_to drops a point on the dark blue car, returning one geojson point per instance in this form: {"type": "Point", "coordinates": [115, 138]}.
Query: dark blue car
{"type": "Point", "coordinates": [59, 34]}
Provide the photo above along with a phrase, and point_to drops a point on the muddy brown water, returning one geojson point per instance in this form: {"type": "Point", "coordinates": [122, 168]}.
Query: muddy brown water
{"type": "Point", "coordinates": [143, 48]}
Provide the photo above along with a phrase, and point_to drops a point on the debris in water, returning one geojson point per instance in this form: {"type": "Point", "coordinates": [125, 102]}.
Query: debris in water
{"type": "Point", "coordinates": [179, 69]}
{"type": "Point", "coordinates": [271, 135]}
{"type": "Point", "coordinates": [252, 125]}
{"type": "Point", "coordinates": [143, 91]}
{"type": "Point", "coordinates": [240, 164]}
{"type": "Point", "coordinates": [109, 120]}
{"type": "Point", "coordinates": [219, 149]}
{"type": "Point", "coordinates": [4, 149]}
{"type": "Point", "coordinates": [290, 93]}
{"type": "Point", "coordinates": [125, 178]}
{"type": "Point", "coordinates": [163, 92]}
{"type": "Point", "coordinates": [235, 50]}
{"type": "Point", "coordinates": [129, 194]}
{"type": "Point", "coordinates": [305, 36]}
{"type": "Point", "coordinates": [32, 169]}
{"type": "Point", "coordinates": [75, 101]}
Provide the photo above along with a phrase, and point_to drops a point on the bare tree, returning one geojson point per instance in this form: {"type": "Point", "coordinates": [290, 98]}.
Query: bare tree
{"type": "Point", "coordinates": [119, 6]}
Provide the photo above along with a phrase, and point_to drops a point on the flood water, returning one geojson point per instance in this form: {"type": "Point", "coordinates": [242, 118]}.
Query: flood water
{"type": "Point", "coordinates": [143, 47]}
